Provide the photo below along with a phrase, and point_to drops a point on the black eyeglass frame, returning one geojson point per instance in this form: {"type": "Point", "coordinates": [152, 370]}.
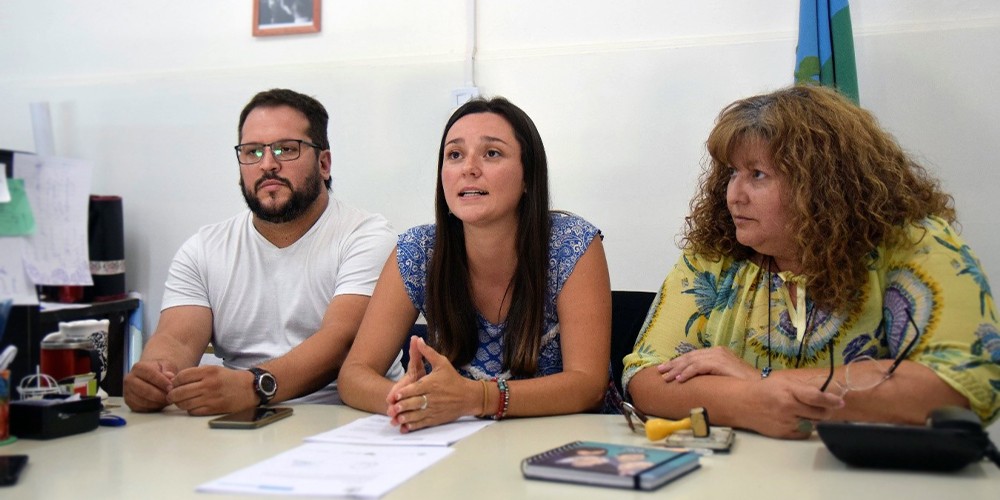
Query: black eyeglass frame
{"type": "Point", "coordinates": [895, 364]}
{"type": "Point", "coordinates": [265, 147]}
{"type": "Point", "coordinates": [629, 411]}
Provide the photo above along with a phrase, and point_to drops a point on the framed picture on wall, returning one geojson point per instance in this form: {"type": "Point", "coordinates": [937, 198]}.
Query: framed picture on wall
{"type": "Point", "coordinates": [285, 17]}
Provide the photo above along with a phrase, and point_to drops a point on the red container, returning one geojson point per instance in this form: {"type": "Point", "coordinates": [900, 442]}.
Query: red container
{"type": "Point", "coordinates": [62, 359]}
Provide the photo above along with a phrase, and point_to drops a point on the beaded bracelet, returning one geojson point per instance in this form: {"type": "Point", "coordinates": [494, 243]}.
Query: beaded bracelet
{"type": "Point", "coordinates": [504, 401]}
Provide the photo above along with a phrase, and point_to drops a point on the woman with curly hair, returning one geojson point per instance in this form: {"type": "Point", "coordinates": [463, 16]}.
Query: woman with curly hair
{"type": "Point", "coordinates": [821, 278]}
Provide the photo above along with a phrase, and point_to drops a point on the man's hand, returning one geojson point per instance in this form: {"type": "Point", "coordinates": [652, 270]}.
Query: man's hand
{"type": "Point", "coordinates": [147, 385]}
{"type": "Point", "coordinates": [179, 342]}
{"type": "Point", "coordinates": [211, 390]}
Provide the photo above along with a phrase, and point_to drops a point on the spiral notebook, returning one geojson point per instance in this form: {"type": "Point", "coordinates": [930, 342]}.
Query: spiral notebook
{"type": "Point", "coordinates": [614, 465]}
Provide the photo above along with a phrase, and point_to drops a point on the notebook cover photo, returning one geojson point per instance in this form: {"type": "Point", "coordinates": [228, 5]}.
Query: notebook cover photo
{"type": "Point", "coordinates": [614, 465]}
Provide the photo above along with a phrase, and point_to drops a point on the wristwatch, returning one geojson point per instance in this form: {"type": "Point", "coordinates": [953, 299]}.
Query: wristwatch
{"type": "Point", "coordinates": [264, 385]}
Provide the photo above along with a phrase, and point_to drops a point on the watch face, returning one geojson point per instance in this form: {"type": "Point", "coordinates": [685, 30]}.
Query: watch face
{"type": "Point", "coordinates": [267, 383]}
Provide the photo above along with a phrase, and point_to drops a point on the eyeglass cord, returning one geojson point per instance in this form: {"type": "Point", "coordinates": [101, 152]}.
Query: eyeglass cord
{"type": "Point", "coordinates": [767, 371]}
{"type": "Point", "coordinates": [809, 325]}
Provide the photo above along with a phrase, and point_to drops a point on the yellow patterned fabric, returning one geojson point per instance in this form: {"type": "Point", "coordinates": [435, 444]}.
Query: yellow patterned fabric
{"type": "Point", "coordinates": [938, 279]}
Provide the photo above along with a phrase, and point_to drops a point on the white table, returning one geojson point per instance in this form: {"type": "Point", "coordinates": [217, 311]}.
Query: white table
{"type": "Point", "coordinates": [167, 455]}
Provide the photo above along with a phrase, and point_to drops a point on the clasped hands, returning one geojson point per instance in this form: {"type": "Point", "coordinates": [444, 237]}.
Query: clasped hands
{"type": "Point", "coordinates": [200, 390]}
{"type": "Point", "coordinates": [785, 404]}
{"type": "Point", "coordinates": [419, 400]}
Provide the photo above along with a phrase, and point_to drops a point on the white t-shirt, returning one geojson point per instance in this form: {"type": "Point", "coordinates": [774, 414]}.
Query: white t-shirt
{"type": "Point", "coordinates": [266, 300]}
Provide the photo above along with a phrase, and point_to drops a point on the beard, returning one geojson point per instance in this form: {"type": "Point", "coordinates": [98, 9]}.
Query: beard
{"type": "Point", "coordinates": [297, 205]}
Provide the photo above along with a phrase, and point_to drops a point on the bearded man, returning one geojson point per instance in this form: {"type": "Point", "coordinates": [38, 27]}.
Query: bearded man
{"type": "Point", "coordinates": [279, 290]}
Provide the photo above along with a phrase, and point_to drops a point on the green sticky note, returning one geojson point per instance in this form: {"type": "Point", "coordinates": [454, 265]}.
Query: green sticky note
{"type": "Point", "coordinates": [16, 218]}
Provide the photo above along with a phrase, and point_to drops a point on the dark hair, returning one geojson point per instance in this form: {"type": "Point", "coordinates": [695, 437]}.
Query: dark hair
{"type": "Point", "coordinates": [451, 313]}
{"type": "Point", "coordinates": [851, 186]}
{"type": "Point", "coordinates": [308, 106]}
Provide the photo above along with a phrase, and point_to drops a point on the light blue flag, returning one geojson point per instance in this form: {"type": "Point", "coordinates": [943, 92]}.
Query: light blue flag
{"type": "Point", "coordinates": [825, 53]}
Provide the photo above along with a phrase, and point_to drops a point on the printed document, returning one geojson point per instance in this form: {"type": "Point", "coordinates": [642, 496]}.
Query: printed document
{"type": "Point", "coordinates": [14, 282]}
{"type": "Point", "coordinates": [376, 430]}
{"type": "Point", "coordinates": [327, 469]}
{"type": "Point", "coordinates": [57, 253]}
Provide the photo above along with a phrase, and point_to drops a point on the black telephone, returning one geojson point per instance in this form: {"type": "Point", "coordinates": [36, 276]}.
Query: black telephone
{"type": "Point", "coordinates": [953, 438]}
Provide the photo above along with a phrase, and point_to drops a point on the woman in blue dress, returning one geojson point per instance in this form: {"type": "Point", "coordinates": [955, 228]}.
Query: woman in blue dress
{"type": "Point", "coordinates": [516, 297]}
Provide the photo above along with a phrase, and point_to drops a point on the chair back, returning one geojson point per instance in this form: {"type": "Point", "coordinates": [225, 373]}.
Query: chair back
{"type": "Point", "coordinates": [418, 329]}
{"type": "Point", "coordinates": [628, 312]}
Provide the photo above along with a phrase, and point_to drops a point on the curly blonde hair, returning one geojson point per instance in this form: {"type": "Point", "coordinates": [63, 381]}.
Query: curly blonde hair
{"type": "Point", "coordinates": [852, 187]}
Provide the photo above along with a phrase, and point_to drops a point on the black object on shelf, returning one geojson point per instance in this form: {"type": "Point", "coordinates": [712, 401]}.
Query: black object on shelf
{"type": "Point", "coordinates": [106, 237]}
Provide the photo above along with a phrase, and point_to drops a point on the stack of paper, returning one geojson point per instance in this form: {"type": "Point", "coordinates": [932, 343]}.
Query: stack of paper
{"type": "Point", "coordinates": [366, 458]}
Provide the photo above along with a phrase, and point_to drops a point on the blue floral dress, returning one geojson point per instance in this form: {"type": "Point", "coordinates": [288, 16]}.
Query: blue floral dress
{"type": "Point", "coordinates": [570, 238]}
{"type": "Point", "coordinates": [937, 279]}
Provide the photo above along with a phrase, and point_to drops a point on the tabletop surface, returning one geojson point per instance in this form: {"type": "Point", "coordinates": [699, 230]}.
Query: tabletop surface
{"type": "Point", "coordinates": [169, 454]}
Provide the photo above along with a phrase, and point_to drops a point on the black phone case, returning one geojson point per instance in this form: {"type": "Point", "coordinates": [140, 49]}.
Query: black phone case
{"type": "Point", "coordinates": [890, 446]}
{"type": "Point", "coordinates": [10, 468]}
{"type": "Point", "coordinates": [253, 418]}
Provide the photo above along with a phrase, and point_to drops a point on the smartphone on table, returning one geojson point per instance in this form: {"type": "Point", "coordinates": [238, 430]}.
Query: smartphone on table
{"type": "Point", "coordinates": [10, 468]}
{"type": "Point", "coordinates": [251, 418]}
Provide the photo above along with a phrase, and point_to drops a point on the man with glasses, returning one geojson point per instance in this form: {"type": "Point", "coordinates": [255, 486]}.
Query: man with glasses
{"type": "Point", "coordinates": [278, 290]}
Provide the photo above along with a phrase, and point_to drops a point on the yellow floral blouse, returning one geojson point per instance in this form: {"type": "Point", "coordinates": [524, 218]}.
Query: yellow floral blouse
{"type": "Point", "coordinates": [705, 303]}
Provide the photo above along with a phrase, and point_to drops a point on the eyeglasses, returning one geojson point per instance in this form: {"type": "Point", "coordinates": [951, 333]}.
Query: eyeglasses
{"type": "Point", "coordinates": [284, 150]}
{"type": "Point", "coordinates": [865, 372]}
{"type": "Point", "coordinates": [630, 412]}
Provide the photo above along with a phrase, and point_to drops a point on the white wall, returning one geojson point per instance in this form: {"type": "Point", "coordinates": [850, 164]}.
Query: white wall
{"type": "Point", "coordinates": [624, 94]}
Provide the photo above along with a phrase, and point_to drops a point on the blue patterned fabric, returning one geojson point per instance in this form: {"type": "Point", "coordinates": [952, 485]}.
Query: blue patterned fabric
{"type": "Point", "coordinates": [570, 238]}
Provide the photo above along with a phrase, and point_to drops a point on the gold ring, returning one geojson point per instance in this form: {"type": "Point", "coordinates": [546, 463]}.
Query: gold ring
{"type": "Point", "coordinates": [424, 406]}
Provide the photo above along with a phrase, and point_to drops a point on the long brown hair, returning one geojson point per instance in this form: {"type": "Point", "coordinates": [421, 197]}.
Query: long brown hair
{"type": "Point", "coordinates": [451, 313]}
{"type": "Point", "coordinates": [852, 187]}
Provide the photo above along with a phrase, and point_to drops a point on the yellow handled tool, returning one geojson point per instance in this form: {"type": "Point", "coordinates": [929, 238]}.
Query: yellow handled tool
{"type": "Point", "coordinates": [660, 428]}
